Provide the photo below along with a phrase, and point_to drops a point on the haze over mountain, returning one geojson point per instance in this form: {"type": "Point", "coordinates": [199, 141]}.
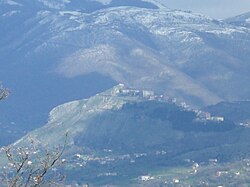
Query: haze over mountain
{"type": "Point", "coordinates": [219, 9]}
{"type": "Point", "coordinates": [73, 49]}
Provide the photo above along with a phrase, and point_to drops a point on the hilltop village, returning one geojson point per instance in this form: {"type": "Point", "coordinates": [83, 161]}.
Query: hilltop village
{"type": "Point", "coordinates": [122, 90]}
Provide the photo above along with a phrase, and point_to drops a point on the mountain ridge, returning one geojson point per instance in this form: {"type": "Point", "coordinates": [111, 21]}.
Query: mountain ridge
{"type": "Point", "coordinates": [240, 20]}
{"type": "Point", "coordinates": [184, 31]}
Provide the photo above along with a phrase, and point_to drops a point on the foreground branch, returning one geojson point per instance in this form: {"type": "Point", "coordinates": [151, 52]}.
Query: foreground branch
{"type": "Point", "coordinates": [32, 167]}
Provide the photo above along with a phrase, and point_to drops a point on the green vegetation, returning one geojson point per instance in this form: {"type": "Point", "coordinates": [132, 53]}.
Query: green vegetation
{"type": "Point", "coordinates": [131, 140]}
{"type": "Point", "coordinates": [235, 111]}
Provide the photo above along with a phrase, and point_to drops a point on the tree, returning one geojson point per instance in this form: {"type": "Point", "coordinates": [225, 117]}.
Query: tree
{"type": "Point", "coordinates": [4, 92]}
{"type": "Point", "coordinates": [30, 166]}
{"type": "Point", "coordinates": [33, 166]}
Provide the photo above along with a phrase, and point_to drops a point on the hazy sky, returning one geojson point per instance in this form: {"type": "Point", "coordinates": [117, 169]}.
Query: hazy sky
{"type": "Point", "coordinates": [214, 8]}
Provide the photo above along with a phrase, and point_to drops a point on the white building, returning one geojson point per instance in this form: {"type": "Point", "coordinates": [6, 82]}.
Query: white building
{"type": "Point", "coordinates": [147, 93]}
{"type": "Point", "coordinates": [218, 119]}
{"type": "Point", "coordinates": [146, 178]}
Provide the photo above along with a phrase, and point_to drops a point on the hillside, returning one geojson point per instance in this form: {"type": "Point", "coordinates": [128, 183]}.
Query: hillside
{"type": "Point", "coordinates": [242, 20]}
{"type": "Point", "coordinates": [237, 111]}
{"type": "Point", "coordinates": [121, 134]}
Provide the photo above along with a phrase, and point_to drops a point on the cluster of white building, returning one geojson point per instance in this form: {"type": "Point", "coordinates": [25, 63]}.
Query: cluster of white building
{"type": "Point", "coordinates": [206, 116]}
{"type": "Point", "coordinates": [150, 95]}
{"type": "Point", "coordinates": [245, 124]}
{"type": "Point", "coordinates": [146, 178]}
{"type": "Point", "coordinates": [121, 90]}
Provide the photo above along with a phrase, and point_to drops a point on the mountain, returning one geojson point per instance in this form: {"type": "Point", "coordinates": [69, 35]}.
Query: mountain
{"type": "Point", "coordinates": [121, 134]}
{"type": "Point", "coordinates": [242, 20]}
{"type": "Point", "coordinates": [52, 52]}
{"type": "Point", "coordinates": [238, 111]}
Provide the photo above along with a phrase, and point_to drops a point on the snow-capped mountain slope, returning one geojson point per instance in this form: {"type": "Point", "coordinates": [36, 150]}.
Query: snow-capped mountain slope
{"type": "Point", "coordinates": [140, 43]}
{"type": "Point", "coordinates": [241, 20]}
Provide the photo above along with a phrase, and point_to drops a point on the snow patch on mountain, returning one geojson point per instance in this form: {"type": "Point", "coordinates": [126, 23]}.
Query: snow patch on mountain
{"type": "Point", "coordinates": [84, 61]}
{"type": "Point", "coordinates": [157, 3]}
{"type": "Point", "coordinates": [54, 4]}
{"type": "Point", "coordinates": [226, 31]}
{"type": "Point", "coordinates": [11, 13]}
{"type": "Point", "coordinates": [104, 2]}
{"type": "Point", "coordinates": [73, 13]}
{"type": "Point", "coordinates": [10, 2]}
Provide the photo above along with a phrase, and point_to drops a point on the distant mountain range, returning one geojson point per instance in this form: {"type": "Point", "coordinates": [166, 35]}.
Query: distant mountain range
{"type": "Point", "coordinates": [52, 52]}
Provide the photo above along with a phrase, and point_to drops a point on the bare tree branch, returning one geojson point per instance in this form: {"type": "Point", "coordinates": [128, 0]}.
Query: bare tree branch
{"type": "Point", "coordinates": [33, 166]}
{"type": "Point", "coordinates": [4, 92]}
